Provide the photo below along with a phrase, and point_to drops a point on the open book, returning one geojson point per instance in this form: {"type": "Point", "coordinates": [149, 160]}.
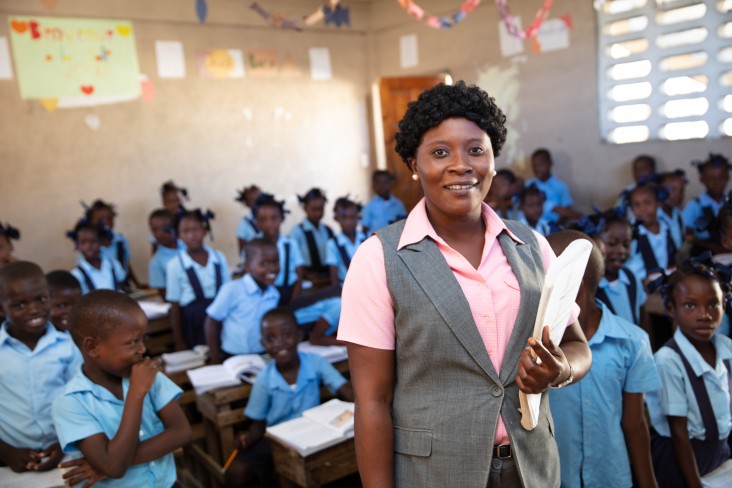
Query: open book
{"type": "Point", "coordinates": [184, 360]}
{"type": "Point", "coordinates": [232, 372]}
{"type": "Point", "coordinates": [558, 296]}
{"type": "Point", "coordinates": [332, 353]}
{"type": "Point", "coordinates": [319, 427]}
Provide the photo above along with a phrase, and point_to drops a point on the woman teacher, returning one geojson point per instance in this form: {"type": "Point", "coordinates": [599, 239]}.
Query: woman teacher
{"type": "Point", "coordinates": [437, 313]}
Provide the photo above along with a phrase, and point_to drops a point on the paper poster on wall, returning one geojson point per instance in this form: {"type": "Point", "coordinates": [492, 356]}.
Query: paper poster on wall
{"type": "Point", "coordinates": [170, 59]}
{"type": "Point", "coordinates": [510, 45]}
{"type": "Point", "coordinates": [63, 57]}
{"type": "Point", "coordinates": [6, 66]}
{"type": "Point", "coordinates": [320, 68]}
{"type": "Point", "coordinates": [408, 53]}
{"type": "Point", "coordinates": [221, 63]}
{"type": "Point", "coordinates": [262, 62]}
{"type": "Point", "coordinates": [553, 35]}
{"type": "Point", "coordinates": [289, 66]}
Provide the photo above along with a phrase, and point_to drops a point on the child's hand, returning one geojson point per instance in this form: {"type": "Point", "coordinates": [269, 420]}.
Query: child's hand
{"type": "Point", "coordinates": [143, 375]}
{"type": "Point", "coordinates": [54, 455]}
{"type": "Point", "coordinates": [245, 442]}
{"type": "Point", "coordinates": [20, 460]}
{"type": "Point", "coordinates": [536, 378]}
{"type": "Point", "coordinates": [82, 471]}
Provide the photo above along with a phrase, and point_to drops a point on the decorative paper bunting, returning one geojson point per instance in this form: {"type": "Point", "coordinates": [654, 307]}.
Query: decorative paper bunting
{"type": "Point", "coordinates": [201, 10]}
{"type": "Point", "coordinates": [332, 12]}
{"type": "Point", "coordinates": [531, 30]}
{"type": "Point", "coordinates": [275, 20]}
{"type": "Point", "coordinates": [442, 22]}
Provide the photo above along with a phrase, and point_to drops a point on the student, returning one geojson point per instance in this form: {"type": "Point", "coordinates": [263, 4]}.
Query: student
{"type": "Point", "coordinates": [168, 245]}
{"type": "Point", "coordinates": [724, 227]}
{"type": "Point", "coordinates": [170, 195]}
{"type": "Point", "coordinates": [654, 246]}
{"type": "Point", "coordinates": [501, 195]}
{"type": "Point", "coordinates": [37, 361]}
{"type": "Point", "coordinates": [608, 404]}
{"type": "Point", "coordinates": [119, 412]}
{"type": "Point", "coordinates": [192, 279]}
{"type": "Point", "coordinates": [247, 228]}
{"type": "Point", "coordinates": [311, 236]}
{"type": "Point", "coordinates": [701, 211]}
{"type": "Point", "coordinates": [644, 169]}
{"type": "Point", "coordinates": [287, 386]}
{"type": "Point", "coordinates": [65, 290]}
{"type": "Point", "coordinates": [233, 319]}
{"type": "Point", "coordinates": [340, 249]}
{"type": "Point", "coordinates": [531, 209]}
{"type": "Point", "coordinates": [691, 411]}
{"type": "Point", "coordinates": [92, 270]}
{"type": "Point", "coordinates": [8, 234]}
{"type": "Point", "coordinates": [674, 184]}
{"type": "Point", "coordinates": [558, 201]}
{"type": "Point", "coordinates": [114, 244]}
{"type": "Point", "coordinates": [384, 208]}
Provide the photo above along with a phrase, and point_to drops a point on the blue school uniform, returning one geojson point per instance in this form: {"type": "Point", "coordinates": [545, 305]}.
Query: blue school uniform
{"type": "Point", "coordinates": [701, 206]}
{"type": "Point", "coordinates": [118, 249]}
{"type": "Point", "coordinates": [587, 415]}
{"type": "Point", "coordinates": [312, 242]}
{"type": "Point", "coordinates": [109, 276]}
{"type": "Point", "coordinates": [240, 305]}
{"type": "Point", "coordinates": [557, 195]}
{"type": "Point", "coordinates": [542, 226]}
{"type": "Point", "coordinates": [247, 228]}
{"type": "Point", "coordinates": [624, 296]}
{"type": "Point", "coordinates": [194, 287]}
{"type": "Point", "coordinates": [85, 409]}
{"type": "Point", "coordinates": [275, 401]}
{"type": "Point", "coordinates": [708, 429]}
{"type": "Point", "coordinates": [649, 251]}
{"type": "Point", "coordinates": [328, 309]}
{"type": "Point", "coordinates": [675, 223]}
{"type": "Point", "coordinates": [157, 269]}
{"type": "Point", "coordinates": [623, 201]}
{"type": "Point", "coordinates": [378, 213]}
{"type": "Point", "coordinates": [340, 251]}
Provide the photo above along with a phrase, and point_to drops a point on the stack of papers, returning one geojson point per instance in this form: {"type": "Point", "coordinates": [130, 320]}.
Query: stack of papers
{"type": "Point", "coordinates": [154, 310]}
{"type": "Point", "coordinates": [333, 354]}
{"type": "Point", "coordinates": [232, 372]}
{"type": "Point", "coordinates": [183, 360]}
{"type": "Point", "coordinates": [319, 427]}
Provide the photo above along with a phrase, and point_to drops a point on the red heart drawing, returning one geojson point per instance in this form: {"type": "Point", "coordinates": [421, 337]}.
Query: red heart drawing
{"type": "Point", "coordinates": [19, 27]}
{"type": "Point", "coordinates": [87, 89]}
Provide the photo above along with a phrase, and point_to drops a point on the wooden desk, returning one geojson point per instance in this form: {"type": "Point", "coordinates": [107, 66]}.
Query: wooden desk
{"type": "Point", "coordinates": [317, 469]}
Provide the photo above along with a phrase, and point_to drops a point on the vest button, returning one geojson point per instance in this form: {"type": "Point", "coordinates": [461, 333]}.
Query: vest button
{"type": "Point", "coordinates": [496, 391]}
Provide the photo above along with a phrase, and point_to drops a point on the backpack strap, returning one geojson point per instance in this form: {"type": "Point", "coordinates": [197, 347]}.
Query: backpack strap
{"type": "Point", "coordinates": [632, 290]}
{"type": "Point", "coordinates": [315, 262]}
{"type": "Point", "coordinates": [646, 251]}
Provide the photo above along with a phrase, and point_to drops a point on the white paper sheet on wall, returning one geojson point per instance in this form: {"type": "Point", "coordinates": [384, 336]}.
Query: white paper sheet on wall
{"type": "Point", "coordinates": [553, 35]}
{"type": "Point", "coordinates": [510, 44]}
{"type": "Point", "coordinates": [408, 51]}
{"type": "Point", "coordinates": [6, 65]}
{"type": "Point", "coordinates": [171, 62]}
{"type": "Point", "coordinates": [320, 68]}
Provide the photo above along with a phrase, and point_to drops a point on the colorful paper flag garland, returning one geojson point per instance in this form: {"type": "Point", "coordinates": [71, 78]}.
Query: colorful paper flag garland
{"type": "Point", "coordinates": [331, 13]}
{"type": "Point", "coordinates": [531, 30]}
{"type": "Point", "coordinates": [201, 10]}
{"type": "Point", "coordinates": [439, 22]}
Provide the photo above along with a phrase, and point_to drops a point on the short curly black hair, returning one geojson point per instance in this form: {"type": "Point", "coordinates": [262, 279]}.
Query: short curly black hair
{"type": "Point", "coordinates": [444, 102]}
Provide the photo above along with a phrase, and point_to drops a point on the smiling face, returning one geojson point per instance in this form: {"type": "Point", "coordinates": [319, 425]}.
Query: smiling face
{"type": "Point", "coordinates": [263, 263]}
{"type": "Point", "coordinates": [697, 307]}
{"type": "Point", "coordinates": [27, 305]}
{"type": "Point", "coordinates": [280, 336]}
{"type": "Point", "coordinates": [616, 238]}
{"type": "Point", "coordinates": [62, 300]}
{"type": "Point", "coordinates": [455, 165]}
{"type": "Point", "coordinates": [121, 347]}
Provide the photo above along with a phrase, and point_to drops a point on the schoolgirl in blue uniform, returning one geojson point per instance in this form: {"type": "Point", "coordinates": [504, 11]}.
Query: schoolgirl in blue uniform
{"type": "Point", "coordinates": [172, 197]}
{"type": "Point", "coordinates": [93, 270]}
{"type": "Point", "coordinates": [341, 248]}
{"type": "Point", "coordinates": [193, 278]}
{"type": "Point", "coordinates": [8, 233]}
{"type": "Point", "coordinates": [247, 228]}
{"type": "Point", "coordinates": [644, 169]}
{"type": "Point", "coordinates": [701, 211]}
{"type": "Point", "coordinates": [673, 184]}
{"type": "Point", "coordinates": [161, 226]}
{"type": "Point", "coordinates": [691, 412]}
{"type": "Point", "coordinates": [311, 235]}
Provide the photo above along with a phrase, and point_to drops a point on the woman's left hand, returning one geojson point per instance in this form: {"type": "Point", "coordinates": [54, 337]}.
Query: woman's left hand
{"type": "Point", "coordinates": [533, 377]}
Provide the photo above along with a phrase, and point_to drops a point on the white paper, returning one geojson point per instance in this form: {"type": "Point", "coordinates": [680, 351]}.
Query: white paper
{"type": "Point", "coordinates": [171, 63]}
{"type": "Point", "coordinates": [6, 66]}
{"type": "Point", "coordinates": [305, 436]}
{"type": "Point", "coordinates": [320, 68]}
{"type": "Point", "coordinates": [238, 56]}
{"type": "Point", "coordinates": [331, 353]}
{"type": "Point", "coordinates": [154, 310]}
{"type": "Point", "coordinates": [408, 51]}
{"type": "Point", "coordinates": [510, 44]}
{"type": "Point", "coordinates": [720, 477]}
{"type": "Point", "coordinates": [553, 35]}
{"type": "Point", "coordinates": [32, 479]}
{"type": "Point", "coordinates": [335, 414]}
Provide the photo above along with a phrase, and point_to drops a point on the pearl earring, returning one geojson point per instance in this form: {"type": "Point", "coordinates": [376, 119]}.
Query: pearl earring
{"type": "Point", "coordinates": [415, 177]}
{"type": "Point", "coordinates": [495, 172]}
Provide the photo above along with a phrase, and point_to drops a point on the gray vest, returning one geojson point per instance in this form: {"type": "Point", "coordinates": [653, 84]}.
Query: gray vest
{"type": "Point", "coordinates": [447, 394]}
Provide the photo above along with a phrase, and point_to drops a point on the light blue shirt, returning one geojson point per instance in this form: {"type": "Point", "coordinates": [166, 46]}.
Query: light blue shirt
{"type": "Point", "coordinates": [29, 381]}
{"type": "Point", "coordinates": [320, 235]}
{"type": "Point", "coordinates": [542, 226]}
{"type": "Point", "coordinates": [157, 269]}
{"type": "Point", "coordinates": [177, 286]}
{"type": "Point", "coordinates": [378, 213]}
{"type": "Point", "coordinates": [110, 251]}
{"type": "Point", "coordinates": [102, 278]}
{"type": "Point", "coordinates": [246, 229]}
{"type": "Point", "coordinates": [557, 195]}
{"type": "Point", "coordinates": [587, 414]}
{"type": "Point", "coordinates": [333, 255]}
{"type": "Point", "coordinates": [695, 209]}
{"type": "Point", "coordinates": [675, 222]}
{"type": "Point", "coordinates": [617, 292]}
{"type": "Point", "coordinates": [676, 398]}
{"type": "Point", "coordinates": [659, 245]}
{"type": "Point", "coordinates": [328, 310]}
{"type": "Point", "coordinates": [273, 399]}
{"type": "Point", "coordinates": [623, 201]}
{"type": "Point", "coordinates": [85, 409]}
{"type": "Point", "coordinates": [295, 260]}
{"type": "Point", "coordinates": [240, 305]}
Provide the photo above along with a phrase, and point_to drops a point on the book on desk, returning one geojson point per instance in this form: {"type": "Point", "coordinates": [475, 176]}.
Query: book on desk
{"type": "Point", "coordinates": [231, 372]}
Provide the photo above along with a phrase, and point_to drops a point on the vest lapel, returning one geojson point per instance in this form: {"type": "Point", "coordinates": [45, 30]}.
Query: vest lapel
{"type": "Point", "coordinates": [429, 268]}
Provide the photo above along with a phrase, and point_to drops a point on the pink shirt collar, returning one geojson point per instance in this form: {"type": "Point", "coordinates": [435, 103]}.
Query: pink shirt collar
{"type": "Point", "coordinates": [418, 226]}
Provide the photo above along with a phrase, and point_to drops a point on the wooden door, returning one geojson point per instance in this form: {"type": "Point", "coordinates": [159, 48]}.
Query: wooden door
{"type": "Point", "coordinates": [395, 94]}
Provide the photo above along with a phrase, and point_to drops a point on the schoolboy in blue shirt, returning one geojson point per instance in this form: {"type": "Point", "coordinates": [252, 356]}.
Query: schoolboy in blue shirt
{"type": "Point", "coordinates": [65, 290]}
{"type": "Point", "coordinates": [700, 212]}
{"type": "Point", "coordinates": [287, 386]}
{"type": "Point", "coordinates": [37, 361]}
{"type": "Point", "coordinates": [531, 205]}
{"type": "Point", "coordinates": [119, 412]}
{"type": "Point", "coordinates": [600, 424]}
{"type": "Point", "coordinates": [384, 208]}
{"type": "Point", "coordinates": [340, 250]}
{"type": "Point", "coordinates": [558, 202]}
{"type": "Point", "coordinates": [161, 227]}
{"type": "Point", "coordinates": [92, 270]}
